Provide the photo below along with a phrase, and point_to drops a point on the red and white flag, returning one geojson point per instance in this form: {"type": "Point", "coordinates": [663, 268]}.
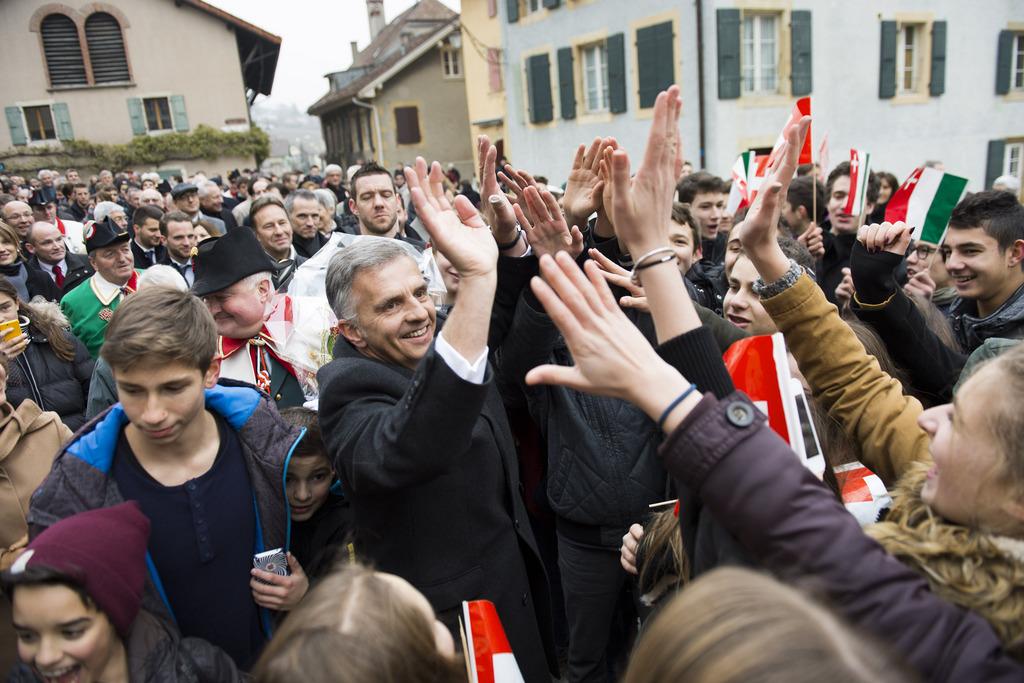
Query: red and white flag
{"type": "Point", "coordinates": [925, 202]}
{"type": "Point", "coordinates": [801, 108]}
{"type": "Point", "coordinates": [489, 657]}
{"type": "Point", "coordinates": [759, 367]}
{"type": "Point", "coordinates": [860, 171]}
{"type": "Point", "coordinates": [864, 494]}
{"type": "Point", "coordinates": [739, 191]}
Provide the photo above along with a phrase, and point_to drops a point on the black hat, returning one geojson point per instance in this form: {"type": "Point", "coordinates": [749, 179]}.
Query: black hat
{"type": "Point", "coordinates": [37, 200]}
{"type": "Point", "coordinates": [183, 188]}
{"type": "Point", "coordinates": [220, 262]}
{"type": "Point", "coordinates": [103, 233]}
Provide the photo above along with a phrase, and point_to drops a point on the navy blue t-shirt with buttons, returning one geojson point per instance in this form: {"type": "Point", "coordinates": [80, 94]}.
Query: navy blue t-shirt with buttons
{"type": "Point", "coordinates": [201, 541]}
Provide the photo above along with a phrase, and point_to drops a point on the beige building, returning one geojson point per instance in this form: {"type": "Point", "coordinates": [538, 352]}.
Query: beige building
{"type": "Point", "coordinates": [105, 72]}
{"type": "Point", "coordinates": [483, 58]}
{"type": "Point", "coordinates": [404, 94]}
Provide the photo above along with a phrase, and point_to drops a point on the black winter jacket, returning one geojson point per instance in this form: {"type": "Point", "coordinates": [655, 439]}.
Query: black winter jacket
{"type": "Point", "coordinates": [54, 384]}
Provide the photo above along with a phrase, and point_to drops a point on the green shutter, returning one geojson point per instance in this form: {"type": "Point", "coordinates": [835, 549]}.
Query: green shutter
{"type": "Point", "coordinates": [887, 62]}
{"type": "Point", "coordinates": [512, 11]}
{"type": "Point", "coordinates": [62, 121]}
{"type": "Point", "coordinates": [178, 113]}
{"type": "Point", "coordinates": [800, 52]}
{"type": "Point", "coordinates": [16, 125]}
{"type": "Point", "coordinates": [994, 163]}
{"type": "Point", "coordinates": [655, 61]}
{"type": "Point", "coordinates": [937, 86]}
{"type": "Point", "coordinates": [1003, 59]}
{"type": "Point", "coordinates": [552, 4]}
{"type": "Point", "coordinates": [566, 87]}
{"type": "Point", "coordinates": [728, 53]}
{"type": "Point", "coordinates": [137, 116]}
{"type": "Point", "coordinates": [616, 52]}
{"type": "Point", "coordinates": [538, 81]}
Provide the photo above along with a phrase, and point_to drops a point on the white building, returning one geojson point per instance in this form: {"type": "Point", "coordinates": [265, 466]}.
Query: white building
{"type": "Point", "coordinates": [907, 80]}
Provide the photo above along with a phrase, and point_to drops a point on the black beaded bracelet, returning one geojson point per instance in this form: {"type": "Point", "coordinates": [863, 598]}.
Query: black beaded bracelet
{"type": "Point", "coordinates": [509, 245]}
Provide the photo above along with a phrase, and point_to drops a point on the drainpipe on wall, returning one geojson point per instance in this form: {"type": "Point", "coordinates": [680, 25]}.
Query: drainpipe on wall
{"type": "Point", "coordinates": [700, 80]}
{"type": "Point", "coordinates": [376, 125]}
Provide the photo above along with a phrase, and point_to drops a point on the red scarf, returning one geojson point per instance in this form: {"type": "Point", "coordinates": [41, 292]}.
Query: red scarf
{"type": "Point", "coordinates": [229, 346]}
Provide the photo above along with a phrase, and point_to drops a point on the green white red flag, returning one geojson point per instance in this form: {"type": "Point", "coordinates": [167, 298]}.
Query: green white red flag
{"type": "Point", "coordinates": [801, 108]}
{"type": "Point", "coordinates": [925, 202]}
{"type": "Point", "coordinates": [860, 171]}
{"type": "Point", "coordinates": [739, 191]}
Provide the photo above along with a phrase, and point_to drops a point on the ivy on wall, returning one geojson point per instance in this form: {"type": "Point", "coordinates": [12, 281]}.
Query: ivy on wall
{"type": "Point", "coordinates": [149, 150]}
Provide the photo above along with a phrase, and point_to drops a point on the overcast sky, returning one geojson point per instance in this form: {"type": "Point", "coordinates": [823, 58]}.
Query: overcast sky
{"type": "Point", "coordinates": [315, 39]}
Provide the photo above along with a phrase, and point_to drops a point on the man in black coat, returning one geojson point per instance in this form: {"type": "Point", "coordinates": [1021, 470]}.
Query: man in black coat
{"type": "Point", "coordinates": [418, 434]}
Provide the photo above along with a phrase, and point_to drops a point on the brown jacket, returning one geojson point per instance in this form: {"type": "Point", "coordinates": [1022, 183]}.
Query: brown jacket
{"type": "Point", "coordinates": [29, 440]}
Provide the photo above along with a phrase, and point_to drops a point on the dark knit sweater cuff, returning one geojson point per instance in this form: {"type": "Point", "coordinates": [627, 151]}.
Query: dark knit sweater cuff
{"type": "Point", "coordinates": [695, 355]}
{"type": "Point", "coordinates": [874, 274]}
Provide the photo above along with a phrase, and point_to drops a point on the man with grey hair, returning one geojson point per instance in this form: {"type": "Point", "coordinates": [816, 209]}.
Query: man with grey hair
{"type": "Point", "coordinates": [211, 203]}
{"type": "Point", "coordinates": [333, 181]}
{"type": "Point", "coordinates": [48, 188]}
{"type": "Point", "coordinates": [328, 207]}
{"type": "Point", "coordinates": [444, 513]}
{"type": "Point", "coordinates": [151, 197]}
{"type": "Point", "coordinates": [112, 209]}
{"type": "Point", "coordinates": [303, 210]}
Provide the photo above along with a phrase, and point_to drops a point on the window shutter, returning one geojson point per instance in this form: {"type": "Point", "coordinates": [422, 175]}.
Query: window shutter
{"type": "Point", "coordinates": [566, 86]}
{"type": "Point", "coordinates": [538, 80]}
{"type": "Point", "coordinates": [494, 69]}
{"type": "Point", "coordinates": [552, 4]}
{"type": "Point", "coordinates": [492, 8]}
{"type": "Point", "coordinates": [178, 114]}
{"type": "Point", "coordinates": [62, 121]}
{"type": "Point", "coordinates": [800, 32]}
{"type": "Point", "coordinates": [728, 53]}
{"type": "Point", "coordinates": [16, 126]}
{"type": "Point", "coordinates": [655, 61]}
{"type": "Point", "coordinates": [616, 52]}
{"type": "Point", "coordinates": [994, 163]}
{"type": "Point", "coordinates": [1003, 59]}
{"type": "Point", "coordinates": [137, 116]}
{"type": "Point", "coordinates": [887, 62]}
{"type": "Point", "coordinates": [106, 49]}
{"type": "Point", "coordinates": [407, 125]}
{"type": "Point", "coordinates": [512, 11]}
{"type": "Point", "coordinates": [937, 85]}
{"type": "Point", "coordinates": [63, 51]}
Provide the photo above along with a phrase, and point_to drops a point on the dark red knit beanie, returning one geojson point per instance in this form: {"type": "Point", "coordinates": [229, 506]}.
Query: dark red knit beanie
{"type": "Point", "coordinates": [102, 550]}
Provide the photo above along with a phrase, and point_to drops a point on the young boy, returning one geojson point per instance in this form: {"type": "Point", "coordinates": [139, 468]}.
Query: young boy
{"type": "Point", "coordinates": [320, 514]}
{"type": "Point", "coordinates": [204, 462]}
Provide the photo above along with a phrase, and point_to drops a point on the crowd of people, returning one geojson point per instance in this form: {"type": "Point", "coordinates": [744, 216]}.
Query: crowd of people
{"type": "Point", "coordinates": [282, 429]}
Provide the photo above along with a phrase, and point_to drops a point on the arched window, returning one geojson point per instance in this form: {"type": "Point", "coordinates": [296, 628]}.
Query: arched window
{"type": "Point", "coordinates": [106, 49]}
{"type": "Point", "coordinates": [63, 51]}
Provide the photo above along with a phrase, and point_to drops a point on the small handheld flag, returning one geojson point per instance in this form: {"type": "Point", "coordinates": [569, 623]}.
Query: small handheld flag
{"type": "Point", "coordinates": [860, 171]}
{"type": "Point", "coordinates": [925, 201]}
{"type": "Point", "coordinates": [488, 655]}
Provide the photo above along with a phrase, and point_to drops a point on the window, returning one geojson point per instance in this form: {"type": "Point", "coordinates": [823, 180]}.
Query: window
{"type": "Point", "coordinates": [451, 62]}
{"type": "Point", "coordinates": [63, 51]}
{"type": "Point", "coordinates": [407, 125]}
{"type": "Point", "coordinates": [531, 6]}
{"type": "Point", "coordinates": [158, 113]}
{"type": "Point", "coordinates": [907, 49]}
{"type": "Point", "coordinates": [1018, 62]}
{"type": "Point", "coordinates": [106, 49]}
{"type": "Point", "coordinates": [39, 123]}
{"type": "Point", "coordinates": [760, 60]}
{"type": "Point", "coordinates": [1013, 160]}
{"type": "Point", "coordinates": [595, 77]}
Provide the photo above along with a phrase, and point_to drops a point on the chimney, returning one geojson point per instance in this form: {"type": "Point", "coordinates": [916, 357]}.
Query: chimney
{"type": "Point", "coordinates": [355, 50]}
{"type": "Point", "coordinates": [375, 13]}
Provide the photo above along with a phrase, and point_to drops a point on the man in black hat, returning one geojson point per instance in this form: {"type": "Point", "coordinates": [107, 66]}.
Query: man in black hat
{"type": "Point", "coordinates": [90, 307]}
{"type": "Point", "coordinates": [233, 277]}
{"type": "Point", "coordinates": [186, 199]}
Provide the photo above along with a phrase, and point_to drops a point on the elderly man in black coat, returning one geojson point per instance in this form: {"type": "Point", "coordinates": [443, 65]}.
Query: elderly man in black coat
{"type": "Point", "coordinates": [418, 433]}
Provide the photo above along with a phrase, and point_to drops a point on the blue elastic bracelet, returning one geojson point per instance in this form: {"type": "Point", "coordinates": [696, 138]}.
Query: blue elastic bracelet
{"type": "Point", "coordinates": [673, 404]}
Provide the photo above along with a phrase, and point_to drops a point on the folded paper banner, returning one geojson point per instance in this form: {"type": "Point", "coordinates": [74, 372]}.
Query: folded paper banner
{"type": "Point", "coordinates": [925, 202]}
{"type": "Point", "coordinates": [488, 654]}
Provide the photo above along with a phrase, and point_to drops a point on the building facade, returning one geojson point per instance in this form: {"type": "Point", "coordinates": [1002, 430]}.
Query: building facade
{"type": "Point", "coordinates": [404, 94]}
{"type": "Point", "coordinates": [905, 80]}
{"type": "Point", "coordinates": [106, 72]}
{"type": "Point", "coordinates": [485, 78]}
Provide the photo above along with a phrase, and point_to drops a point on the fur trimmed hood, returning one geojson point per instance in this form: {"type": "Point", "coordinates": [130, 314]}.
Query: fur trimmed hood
{"type": "Point", "coordinates": [980, 572]}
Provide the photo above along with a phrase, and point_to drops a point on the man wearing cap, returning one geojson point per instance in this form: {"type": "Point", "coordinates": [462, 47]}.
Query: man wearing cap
{"type": "Point", "coordinates": [233, 278]}
{"type": "Point", "coordinates": [90, 307]}
{"type": "Point", "coordinates": [186, 198]}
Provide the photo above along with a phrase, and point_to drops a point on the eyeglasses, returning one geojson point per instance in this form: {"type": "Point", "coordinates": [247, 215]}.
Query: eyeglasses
{"type": "Point", "coordinates": [923, 251]}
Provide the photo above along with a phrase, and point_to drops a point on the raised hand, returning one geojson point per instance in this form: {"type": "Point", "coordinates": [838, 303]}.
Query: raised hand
{"type": "Point", "coordinates": [457, 231]}
{"type": "Point", "coordinates": [495, 206]}
{"type": "Point", "coordinates": [617, 276]}
{"type": "Point", "coordinates": [642, 205]}
{"type": "Point", "coordinates": [813, 239]}
{"type": "Point", "coordinates": [517, 182]}
{"type": "Point", "coordinates": [921, 284]}
{"type": "Point", "coordinates": [845, 290]}
{"type": "Point", "coordinates": [584, 187]}
{"type": "Point", "coordinates": [891, 237]}
{"type": "Point", "coordinates": [611, 357]}
{"type": "Point", "coordinates": [548, 233]}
